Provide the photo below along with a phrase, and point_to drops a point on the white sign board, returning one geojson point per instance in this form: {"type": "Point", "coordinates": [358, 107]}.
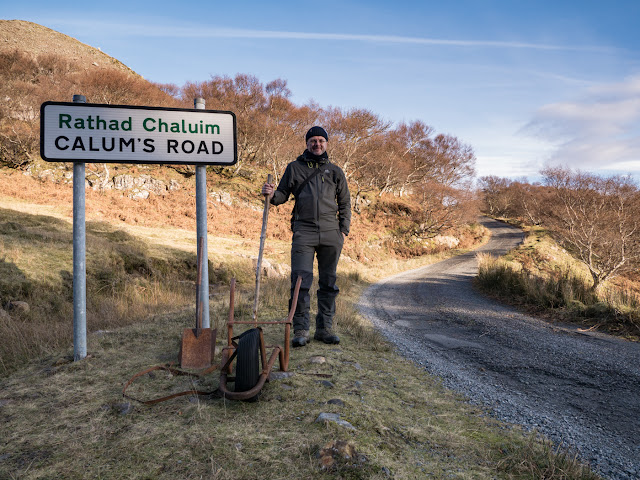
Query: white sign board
{"type": "Point", "coordinates": [85, 132]}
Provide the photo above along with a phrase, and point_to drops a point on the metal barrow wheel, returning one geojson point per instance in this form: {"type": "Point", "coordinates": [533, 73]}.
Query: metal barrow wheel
{"type": "Point", "coordinates": [247, 361]}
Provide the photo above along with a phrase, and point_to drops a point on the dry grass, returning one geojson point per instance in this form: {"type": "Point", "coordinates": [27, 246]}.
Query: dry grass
{"type": "Point", "coordinates": [63, 419]}
{"type": "Point", "coordinates": [542, 277]}
{"type": "Point", "coordinates": [68, 420]}
{"type": "Point", "coordinates": [538, 458]}
{"type": "Point", "coordinates": [126, 282]}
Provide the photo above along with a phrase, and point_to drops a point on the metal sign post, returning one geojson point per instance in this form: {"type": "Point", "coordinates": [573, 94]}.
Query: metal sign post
{"type": "Point", "coordinates": [201, 229]}
{"type": "Point", "coordinates": [79, 258]}
{"type": "Point", "coordinates": [85, 133]}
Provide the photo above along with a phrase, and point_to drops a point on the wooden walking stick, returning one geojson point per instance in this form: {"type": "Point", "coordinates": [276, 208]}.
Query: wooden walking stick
{"type": "Point", "coordinates": [263, 237]}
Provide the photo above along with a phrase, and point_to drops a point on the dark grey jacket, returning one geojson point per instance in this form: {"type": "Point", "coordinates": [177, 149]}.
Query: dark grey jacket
{"type": "Point", "coordinates": [323, 203]}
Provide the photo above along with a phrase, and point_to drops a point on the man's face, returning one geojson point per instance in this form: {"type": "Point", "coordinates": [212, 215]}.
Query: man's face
{"type": "Point", "coordinates": [317, 145]}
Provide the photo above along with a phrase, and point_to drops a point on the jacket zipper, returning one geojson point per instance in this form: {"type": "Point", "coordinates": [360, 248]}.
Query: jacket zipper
{"type": "Point", "coordinates": [318, 195]}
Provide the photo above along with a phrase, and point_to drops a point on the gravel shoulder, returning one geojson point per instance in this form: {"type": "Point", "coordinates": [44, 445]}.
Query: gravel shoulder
{"type": "Point", "coordinates": [578, 388]}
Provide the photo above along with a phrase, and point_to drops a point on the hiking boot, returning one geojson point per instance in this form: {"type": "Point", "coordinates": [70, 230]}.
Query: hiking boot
{"type": "Point", "coordinates": [300, 338]}
{"type": "Point", "coordinates": [326, 335]}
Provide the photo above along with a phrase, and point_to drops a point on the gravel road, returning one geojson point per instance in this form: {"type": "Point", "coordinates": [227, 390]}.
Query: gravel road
{"type": "Point", "coordinates": [578, 388]}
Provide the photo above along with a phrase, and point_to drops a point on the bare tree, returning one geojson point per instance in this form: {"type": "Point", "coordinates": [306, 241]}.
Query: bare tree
{"type": "Point", "coordinates": [352, 134]}
{"type": "Point", "coordinates": [516, 199]}
{"type": "Point", "coordinates": [441, 208]}
{"type": "Point", "coordinates": [111, 86]}
{"type": "Point", "coordinates": [529, 200]}
{"type": "Point", "coordinates": [596, 219]}
{"type": "Point", "coordinates": [285, 126]}
{"type": "Point", "coordinates": [418, 156]}
{"type": "Point", "coordinates": [499, 198]}
{"type": "Point", "coordinates": [245, 96]}
{"type": "Point", "coordinates": [455, 161]}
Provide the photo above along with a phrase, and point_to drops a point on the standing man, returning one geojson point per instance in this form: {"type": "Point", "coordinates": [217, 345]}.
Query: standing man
{"type": "Point", "coordinates": [320, 222]}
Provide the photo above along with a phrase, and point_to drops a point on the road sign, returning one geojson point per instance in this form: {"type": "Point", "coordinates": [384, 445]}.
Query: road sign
{"type": "Point", "coordinates": [85, 132]}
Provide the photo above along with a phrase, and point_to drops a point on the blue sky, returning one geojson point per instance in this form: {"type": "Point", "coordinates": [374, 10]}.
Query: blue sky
{"type": "Point", "coordinates": [526, 83]}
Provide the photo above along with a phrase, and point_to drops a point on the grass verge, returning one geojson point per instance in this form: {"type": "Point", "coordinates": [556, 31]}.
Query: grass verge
{"type": "Point", "coordinates": [64, 419]}
{"type": "Point", "coordinates": [542, 277]}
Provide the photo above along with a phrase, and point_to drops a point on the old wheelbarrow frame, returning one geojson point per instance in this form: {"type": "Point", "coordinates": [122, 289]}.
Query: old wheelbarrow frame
{"type": "Point", "coordinates": [230, 352]}
{"type": "Point", "coordinates": [246, 389]}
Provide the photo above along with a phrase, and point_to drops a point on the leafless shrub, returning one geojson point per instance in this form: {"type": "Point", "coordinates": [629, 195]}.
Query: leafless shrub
{"type": "Point", "coordinates": [595, 218]}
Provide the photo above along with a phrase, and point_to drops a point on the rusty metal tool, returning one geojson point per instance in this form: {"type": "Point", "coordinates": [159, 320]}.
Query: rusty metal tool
{"type": "Point", "coordinates": [199, 344]}
{"type": "Point", "coordinates": [280, 353]}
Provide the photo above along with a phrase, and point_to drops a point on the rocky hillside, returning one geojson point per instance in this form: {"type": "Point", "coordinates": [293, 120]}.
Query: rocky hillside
{"type": "Point", "coordinates": [36, 40]}
{"type": "Point", "coordinates": [38, 64]}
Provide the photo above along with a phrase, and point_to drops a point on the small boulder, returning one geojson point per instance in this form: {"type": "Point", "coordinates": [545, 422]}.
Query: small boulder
{"type": "Point", "coordinates": [280, 375]}
{"type": "Point", "coordinates": [340, 453]}
{"type": "Point", "coordinates": [334, 418]}
{"type": "Point", "coordinates": [18, 306]}
{"type": "Point", "coordinates": [123, 408]}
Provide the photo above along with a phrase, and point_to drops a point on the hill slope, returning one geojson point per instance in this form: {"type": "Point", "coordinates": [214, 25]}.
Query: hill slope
{"type": "Point", "coordinates": [36, 40]}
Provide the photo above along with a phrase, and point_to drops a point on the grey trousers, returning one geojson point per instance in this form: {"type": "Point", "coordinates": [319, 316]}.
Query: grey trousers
{"type": "Point", "coordinates": [327, 246]}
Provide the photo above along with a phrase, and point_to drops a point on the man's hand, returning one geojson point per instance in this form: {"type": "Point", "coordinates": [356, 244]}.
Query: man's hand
{"type": "Point", "coordinates": [268, 188]}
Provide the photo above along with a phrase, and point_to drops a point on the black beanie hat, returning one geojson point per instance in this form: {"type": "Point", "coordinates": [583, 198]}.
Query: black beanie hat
{"type": "Point", "coordinates": [316, 132]}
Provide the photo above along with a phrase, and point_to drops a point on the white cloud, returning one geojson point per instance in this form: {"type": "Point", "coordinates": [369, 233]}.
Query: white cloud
{"type": "Point", "coordinates": [599, 131]}
{"type": "Point", "coordinates": [147, 30]}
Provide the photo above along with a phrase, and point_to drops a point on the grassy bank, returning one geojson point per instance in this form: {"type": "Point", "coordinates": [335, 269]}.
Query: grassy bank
{"type": "Point", "coordinates": [127, 280]}
{"type": "Point", "coordinates": [64, 419]}
{"type": "Point", "coordinates": [541, 277]}
{"type": "Point", "coordinates": [140, 257]}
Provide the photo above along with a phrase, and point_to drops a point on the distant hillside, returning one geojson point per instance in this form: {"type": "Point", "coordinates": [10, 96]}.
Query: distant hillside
{"type": "Point", "coordinates": [407, 180]}
{"type": "Point", "coordinates": [38, 64]}
{"type": "Point", "coordinates": [35, 40]}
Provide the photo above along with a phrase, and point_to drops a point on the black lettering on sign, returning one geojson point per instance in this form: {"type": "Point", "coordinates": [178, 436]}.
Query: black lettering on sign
{"type": "Point", "coordinates": [78, 144]}
{"type": "Point", "coordinates": [108, 148]}
{"type": "Point", "coordinates": [124, 143]}
{"type": "Point", "coordinates": [202, 148]}
{"type": "Point", "coordinates": [91, 147]}
{"type": "Point", "coordinates": [57, 142]}
{"type": "Point", "coordinates": [149, 147]}
{"type": "Point", "coordinates": [214, 150]}
{"type": "Point", "coordinates": [188, 146]}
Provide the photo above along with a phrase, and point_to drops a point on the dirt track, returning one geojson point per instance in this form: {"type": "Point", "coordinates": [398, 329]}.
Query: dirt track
{"type": "Point", "coordinates": [579, 388]}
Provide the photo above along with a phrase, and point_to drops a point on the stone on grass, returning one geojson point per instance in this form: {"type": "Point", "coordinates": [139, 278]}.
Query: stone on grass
{"type": "Point", "coordinates": [18, 306]}
{"type": "Point", "coordinates": [340, 453]}
{"type": "Point", "coordinates": [334, 418]}
{"type": "Point", "coordinates": [124, 408]}
{"type": "Point", "coordinates": [280, 375]}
